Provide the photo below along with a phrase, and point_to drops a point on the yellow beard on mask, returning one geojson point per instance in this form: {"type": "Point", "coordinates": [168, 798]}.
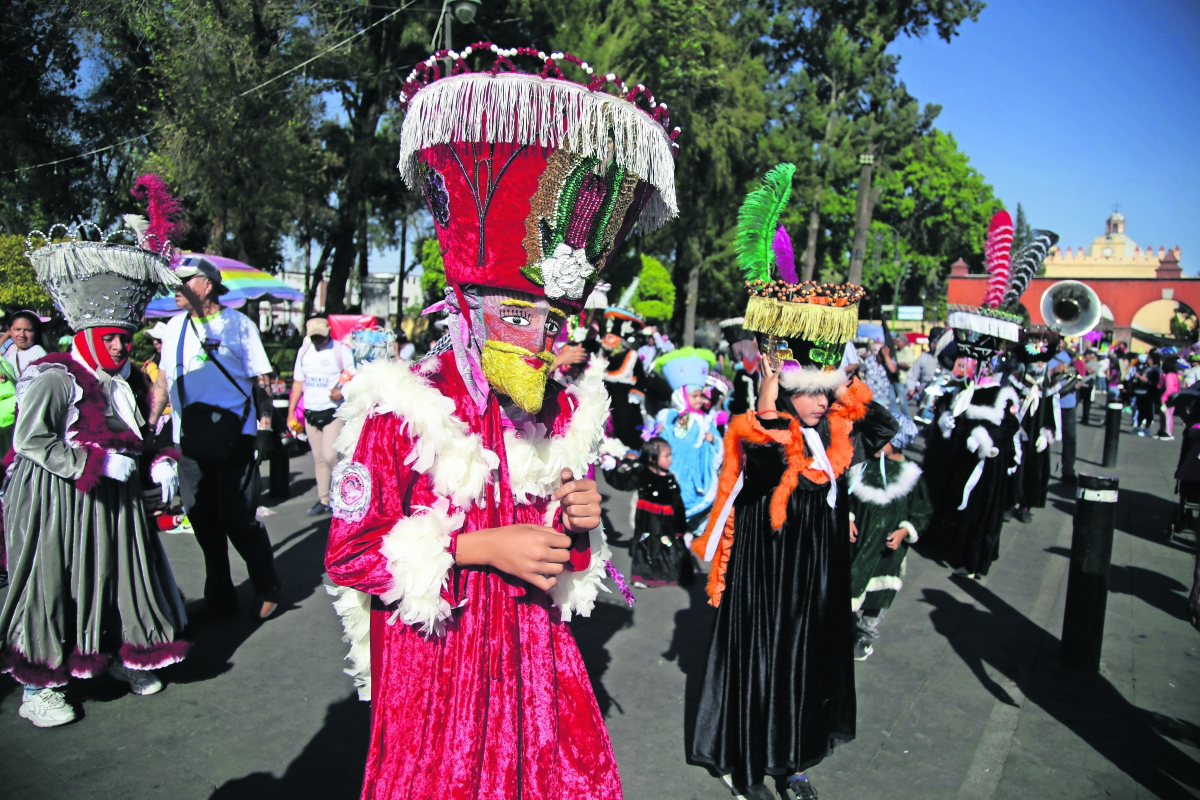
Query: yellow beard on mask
{"type": "Point", "coordinates": [506, 371]}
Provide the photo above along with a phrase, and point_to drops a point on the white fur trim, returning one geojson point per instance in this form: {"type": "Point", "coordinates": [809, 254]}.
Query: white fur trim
{"type": "Point", "coordinates": [879, 584]}
{"type": "Point", "coordinates": [995, 412]}
{"type": "Point", "coordinates": [529, 110]}
{"type": "Point", "coordinates": [980, 443]}
{"type": "Point", "coordinates": [910, 473]}
{"type": "Point", "coordinates": [913, 536]}
{"type": "Point", "coordinates": [536, 461]}
{"type": "Point", "coordinates": [812, 380]}
{"type": "Point", "coordinates": [624, 374]}
{"type": "Point", "coordinates": [418, 558]}
{"type": "Point", "coordinates": [443, 446]}
{"type": "Point", "coordinates": [946, 424]}
{"type": "Point", "coordinates": [354, 609]}
{"type": "Point", "coordinates": [576, 592]}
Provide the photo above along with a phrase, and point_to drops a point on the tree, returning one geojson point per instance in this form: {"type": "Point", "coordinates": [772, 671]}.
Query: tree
{"type": "Point", "coordinates": [654, 299]}
{"type": "Point", "coordinates": [39, 61]}
{"type": "Point", "coordinates": [828, 53]}
{"type": "Point", "coordinates": [19, 287]}
{"type": "Point", "coordinates": [433, 271]}
{"type": "Point", "coordinates": [940, 206]}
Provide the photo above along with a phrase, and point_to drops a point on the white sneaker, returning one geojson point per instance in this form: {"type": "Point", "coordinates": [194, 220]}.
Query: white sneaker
{"type": "Point", "coordinates": [47, 708]}
{"type": "Point", "coordinates": [142, 681]}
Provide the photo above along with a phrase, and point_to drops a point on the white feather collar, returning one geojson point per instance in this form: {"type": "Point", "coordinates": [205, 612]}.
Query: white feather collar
{"type": "Point", "coordinates": [910, 473]}
{"type": "Point", "coordinates": [445, 448]}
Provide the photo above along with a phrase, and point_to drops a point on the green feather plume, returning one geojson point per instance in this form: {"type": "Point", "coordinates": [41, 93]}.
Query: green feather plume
{"type": "Point", "coordinates": [757, 220]}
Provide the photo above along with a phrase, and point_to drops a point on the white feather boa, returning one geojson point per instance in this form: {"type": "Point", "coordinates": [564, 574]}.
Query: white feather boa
{"type": "Point", "coordinates": [808, 380]}
{"type": "Point", "coordinates": [354, 609]}
{"type": "Point", "coordinates": [419, 560]}
{"type": "Point", "coordinates": [910, 473]}
{"type": "Point", "coordinates": [536, 461]}
{"type": "Point", "coordinates": [443, 446]}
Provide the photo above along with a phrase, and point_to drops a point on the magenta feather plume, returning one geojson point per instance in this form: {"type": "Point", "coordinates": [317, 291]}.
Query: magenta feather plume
{"type": "Point", "coordinates": [997, 254]}
{"type": "Point", "coordinates": [785, 259]}
{"type": "Point", "coordinates": [164, 213]}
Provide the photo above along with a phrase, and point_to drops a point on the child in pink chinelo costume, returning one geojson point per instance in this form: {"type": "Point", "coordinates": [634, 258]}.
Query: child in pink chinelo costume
{"type": "Point", "coordinates": [466, 528]}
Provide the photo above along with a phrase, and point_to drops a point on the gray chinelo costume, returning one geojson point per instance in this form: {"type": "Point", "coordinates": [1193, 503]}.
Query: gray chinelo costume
{"type": "Point", "coordinates": [90, 581]}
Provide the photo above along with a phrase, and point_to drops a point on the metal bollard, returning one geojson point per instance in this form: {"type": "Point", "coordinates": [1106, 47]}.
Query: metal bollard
{"type": "Point", "coordinates": [280, 480]}
{"type": "Point", "coordinates": [1087, 581]}
{"type": "Point", "coordinates": [1085, 400]}
{"type": "Point", "coordinates": [1112, 434]}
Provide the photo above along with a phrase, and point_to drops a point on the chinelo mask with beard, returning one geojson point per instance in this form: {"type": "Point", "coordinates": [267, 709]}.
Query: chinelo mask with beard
{"type": "Point", "coordinates": [518, 330]}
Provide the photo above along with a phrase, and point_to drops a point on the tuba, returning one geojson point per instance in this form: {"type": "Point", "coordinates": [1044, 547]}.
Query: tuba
{"type": "Point", "coordinates": [1072, 307]}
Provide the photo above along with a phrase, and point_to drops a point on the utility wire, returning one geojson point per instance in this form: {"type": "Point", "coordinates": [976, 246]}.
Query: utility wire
{"type": "Point", "coordinates": [267, 82]}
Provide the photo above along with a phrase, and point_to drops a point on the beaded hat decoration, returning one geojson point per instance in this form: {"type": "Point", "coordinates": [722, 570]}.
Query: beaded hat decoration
{"type": "Point", "coordinates": [98, 283]}
{"type": "Point", "coordinates": [534, 180]}
{"type": "Point", "coordinates": [784, 306]}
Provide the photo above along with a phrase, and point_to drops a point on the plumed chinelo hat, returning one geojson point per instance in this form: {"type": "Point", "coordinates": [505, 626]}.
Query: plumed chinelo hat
{"type": "Point", "coordinates": [533, 180]}
{"type": "Point", "coordinates": [99, 283]}
{"type": "Point", "coordinates": [806, 323]}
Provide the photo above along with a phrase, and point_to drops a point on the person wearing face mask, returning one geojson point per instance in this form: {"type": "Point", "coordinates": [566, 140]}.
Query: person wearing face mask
{"type": "Point", "coordinates": [778, 537]}
{"type": "Point", "coordinates": [91, 588]}
{"type": "Point", "coordinates": [23, 346]}
{"type": "Point", "coordinates": [466, 527]}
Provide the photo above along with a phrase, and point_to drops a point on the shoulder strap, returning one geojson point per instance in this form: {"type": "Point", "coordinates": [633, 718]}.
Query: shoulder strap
{"type": "Point", "coordinates": [212, 356]}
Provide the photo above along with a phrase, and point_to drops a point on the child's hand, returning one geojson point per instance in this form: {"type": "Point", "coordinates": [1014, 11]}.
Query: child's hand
{"type": "Point", "coordinates": [853, 531]}
{"type": "Point", "coordinates": [896, 537]}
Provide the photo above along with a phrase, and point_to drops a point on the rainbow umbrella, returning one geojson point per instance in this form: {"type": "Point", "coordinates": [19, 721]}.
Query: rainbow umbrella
{"type": "Point", "coordinates": [244, 282]}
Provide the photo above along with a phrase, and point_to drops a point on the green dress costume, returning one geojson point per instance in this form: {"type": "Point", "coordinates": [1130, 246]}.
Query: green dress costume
{"type": "Point", "coordinates": [90, 580]}
{"type": "Point", "coordinates": [885, 496]}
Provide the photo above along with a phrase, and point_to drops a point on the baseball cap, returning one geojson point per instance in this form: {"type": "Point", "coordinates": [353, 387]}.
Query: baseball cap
{"type": "Point", "coordinates": [317, 327]}
{"type": "Point", "coordinates": [193, 266]}
{"type": "Point", "coordinates": [158, 331]}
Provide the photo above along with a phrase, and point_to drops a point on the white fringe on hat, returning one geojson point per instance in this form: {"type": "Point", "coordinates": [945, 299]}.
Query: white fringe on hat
{"type": "Point", "coordinates": [531, 110]}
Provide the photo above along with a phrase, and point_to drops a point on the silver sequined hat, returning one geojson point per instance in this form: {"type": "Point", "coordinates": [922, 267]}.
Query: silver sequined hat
{"type": "Point", "coordinates": [99, 283]}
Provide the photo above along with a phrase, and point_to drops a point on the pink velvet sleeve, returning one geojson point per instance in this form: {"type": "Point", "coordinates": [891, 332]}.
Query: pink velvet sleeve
{"type": "Point", "coordinates": [352, 556]}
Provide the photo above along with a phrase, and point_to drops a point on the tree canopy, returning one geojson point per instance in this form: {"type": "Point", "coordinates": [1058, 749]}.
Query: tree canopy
{"type": "Point", "coordinates": [277, 123]}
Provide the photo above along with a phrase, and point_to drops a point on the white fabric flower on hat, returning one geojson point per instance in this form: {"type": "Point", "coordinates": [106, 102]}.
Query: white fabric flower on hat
{"type": "Point", "coordinates": [565, 272]}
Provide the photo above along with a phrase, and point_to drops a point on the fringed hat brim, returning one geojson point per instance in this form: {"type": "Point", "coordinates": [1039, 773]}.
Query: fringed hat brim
{"type": "Point", "coordinates": [1001, 329]}
{"type": "Point", "coordinates": [530, 110]}
{"type": "Point", "coordinates": [809, 321]}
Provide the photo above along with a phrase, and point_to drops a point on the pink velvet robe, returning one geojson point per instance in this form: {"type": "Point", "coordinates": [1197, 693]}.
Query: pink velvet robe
{"type": "Point", "coordinates": [499, 706]}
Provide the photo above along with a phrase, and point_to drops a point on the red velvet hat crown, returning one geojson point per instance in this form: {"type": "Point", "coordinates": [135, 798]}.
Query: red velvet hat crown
{"type": "Point", "coordinates": [534, 181]}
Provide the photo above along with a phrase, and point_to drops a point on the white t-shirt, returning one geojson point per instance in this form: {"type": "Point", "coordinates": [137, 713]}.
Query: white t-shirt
{"type": "Point", "coordinates": [21, 359]}
{"type": "Point", "coordinates": [240, 352]}
{"type": "Point", "coordinates": [318, 370]}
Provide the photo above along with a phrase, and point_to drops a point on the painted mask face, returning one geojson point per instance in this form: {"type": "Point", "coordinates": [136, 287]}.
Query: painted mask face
{"type": "Point", "coordinates": [519, 329]}
{"type": "Point", "coordinates": [965, 368]}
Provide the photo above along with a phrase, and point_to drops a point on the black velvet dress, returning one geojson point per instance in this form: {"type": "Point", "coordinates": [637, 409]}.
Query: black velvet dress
{"type": "Point", "coordinates": [778, 693]}
{"type": "Point", "coordinates": [1036, 466]}
{"type": "Point", "coordinates": [971, 537]}
{"type": "Point", "coordinates": [660, 557]}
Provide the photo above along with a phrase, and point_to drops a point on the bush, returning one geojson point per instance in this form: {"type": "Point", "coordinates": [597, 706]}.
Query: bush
{"type": "Point", "coordinates": [654, 300]}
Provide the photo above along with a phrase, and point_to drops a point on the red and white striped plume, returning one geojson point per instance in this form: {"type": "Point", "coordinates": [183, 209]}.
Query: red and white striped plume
{"type": "Point", "coordinates": [997, 254]}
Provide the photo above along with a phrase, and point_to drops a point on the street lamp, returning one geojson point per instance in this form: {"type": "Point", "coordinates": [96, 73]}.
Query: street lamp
{"type": "Point", "coordinates": [464, 10]}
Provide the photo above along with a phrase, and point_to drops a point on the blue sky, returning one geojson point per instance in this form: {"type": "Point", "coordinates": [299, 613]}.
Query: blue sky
{"type": "Point", "coordinates": [1070, 106]}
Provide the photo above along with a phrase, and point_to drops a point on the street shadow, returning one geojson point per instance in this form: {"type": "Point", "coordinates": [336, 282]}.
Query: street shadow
{"type": "Point", "coordinates": [592, 635]}
{"type": "Point", "coordinates": [1138, 742]}
{"type": "Point", "coordinates": [1152, 588]}
{"type": "Point", "coordinates": [689, 650]}
{"type": "Point", "coordinates": [1148, 516]}
{"type": "Point", "coordinates": [301, 569]}
{"type": "Point", "coordinates": [330, 766]}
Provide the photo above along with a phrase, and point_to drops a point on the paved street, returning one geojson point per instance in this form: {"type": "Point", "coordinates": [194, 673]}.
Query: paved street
{"type": "Point", "coordinates": [964, 696]}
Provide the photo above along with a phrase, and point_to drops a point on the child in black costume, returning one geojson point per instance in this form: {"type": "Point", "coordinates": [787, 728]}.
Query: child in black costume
{"type": "Point", "coordinates": [660, 556]}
